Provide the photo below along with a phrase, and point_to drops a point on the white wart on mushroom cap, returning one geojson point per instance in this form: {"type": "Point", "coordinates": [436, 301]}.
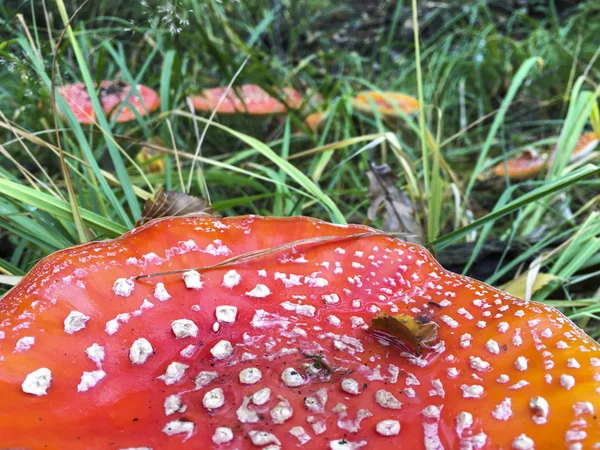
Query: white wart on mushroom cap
{"type": "Point", "coordinates": [296, 366]}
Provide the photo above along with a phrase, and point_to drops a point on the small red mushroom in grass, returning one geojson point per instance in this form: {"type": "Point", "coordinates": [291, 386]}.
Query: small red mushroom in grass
{"type": "Point", "coordinates": [111, 94]}
{"type": "Point", "coordinates": [276, 351]}
{"type": "Point", "coordinates": [247, 99]}
{"type": "Point", "coordinates": [530, 163]}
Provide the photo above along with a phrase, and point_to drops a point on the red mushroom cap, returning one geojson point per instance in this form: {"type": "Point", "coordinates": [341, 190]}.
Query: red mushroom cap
{"type": "Point", "coordinates": [527, 165]}
{"type": "Point", "coordinates": [111, 94]}
{"type": "Point", "coordinates": [387, 103]}
{"type": "Point", "coordinates": [586, 143]}
{"type": "Point", "coordinates": [248, 99]}
{"type": "Point", "coordinates": [273, 349]}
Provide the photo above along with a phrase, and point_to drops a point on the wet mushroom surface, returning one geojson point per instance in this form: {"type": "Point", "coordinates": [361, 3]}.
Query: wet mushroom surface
{"type": "Point", "coordinates": [282, 348]}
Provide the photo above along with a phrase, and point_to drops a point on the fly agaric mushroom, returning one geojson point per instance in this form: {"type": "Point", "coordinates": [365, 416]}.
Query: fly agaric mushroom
{"type": "Point", "coordinates": [248, 99]}
{"type": "Point", "coordinates": [586, 143]}
{"type": "Point", "coordinates": [529, 163]}
{"type": "Point", "coordinates": [387, 103]}
{"type": "Point", "coordinates": [282, 333]}
{"type": "Point", "coordinates": [111, 94]}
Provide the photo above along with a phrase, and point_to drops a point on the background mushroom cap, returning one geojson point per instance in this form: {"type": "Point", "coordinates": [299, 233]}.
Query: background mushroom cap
{"type": "Point", "coordinates": [111, 94]}
{"type": "Point", "coordinates": [387, 103]}
{"type": "Point", "coordinates": [527, 165]}
{"type": "Point", "coordinates": [502, 372]}
{"type": "Point", "coordinates": [248, 99]}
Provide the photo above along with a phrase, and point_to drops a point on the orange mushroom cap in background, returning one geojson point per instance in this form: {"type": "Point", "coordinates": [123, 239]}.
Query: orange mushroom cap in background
{"type": "Point", "coordinates": [586, 144]}
{"type": "Point", "coordinates": [111, 94]}
{"type": "Point", "coordinates": [387, 103]}
{"type": "Point", "coordinates": [279, 349]}
{"type": "Point", "coordinates": [527, 165]}
{"type": "Point", "coordinates": [248, 99]}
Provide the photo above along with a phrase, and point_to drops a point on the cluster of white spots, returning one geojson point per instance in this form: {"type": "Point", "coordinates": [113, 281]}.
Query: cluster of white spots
{"type": "Point", "coordinates": [492, 347]}
{"type": "Point", "coordinates": [331, 299]}
{"type": "Point", "coordinates": [315, 281]}
{"type": "Point", "coordinates": [289, 280]}
{"type": "Point", "coordinates": [174, 373]}
{"type": "Point", "coordinates": [478, 364]}
{"type": "Point", "coordinates": [465, 340]}
{"type": "Point", "coordinates": [140, 351]}
{"type": "Point", "coordinates": [291, 377]}
{"type": "Point", "coordinates": [334, 321]}
{"type": "Point", "coordinates": [75, 321]}
{"type": "Point", "coordinates": [504, 410]}
{"type": "Point", "coordinates": [231, 279]}
{"type": "Point", "coordinates": [24, 344]}
{"type": "Point", "coordinates": [438, 389]}
{"type": "Point", "coordinates": [191, 278]}
{"type": "Point", "coordinates": [474, 391]}
{"type": "Point", "coordinates": [260, 438]}
{"type": "Point", "coordinates": [344, 423]}
{"type": "Point", "coordinates": [316, 403]}
{"type": "Point", "coordinates": [188, 351]}
{"type": "Point", "coordinates": [387, 400]}
{"type": "Point", "coordinates": [184, 328]}
{"type": "Point", "coordinates": [572, 363]}
{"type": "Point", "coordinates": [179, 427]}
{"type": "Point", "coordinates": [350, 386]}
{"type": "Point", "coordinates": [259, 291]}
{"type": "Point", "coordinates": [261, 396]}
{"type": "Point", "coordinates": [388, 427]}
{"type": "Point", "coordinates": [449, 321]}
{"type": "Point", "coordinates": [567, 381]}
{"type": "Point", "coordinates": [95, 352]}
{"type": "Point", "coordinates": [302, 310]}
{"type": "Point", "coordinates": [173, 405]}
{"type": "Point", "coordinates": [453, 372]}
{"type": "Point", "coordinates": [90, 379]}
{"type": "Point", "coordinates": [37, 382]}
{"type": "Point", "coordinates": [160, 293]}
{"type": "Point", "coordinates": [205, 378]}
{"type": "Point", "coordinates": [522, 442]}
{"type": "Point", "coordinates": [521, 363]}
{"type": "Point", "coordinates": [222, 435]}
{"type": "Point", "coordinates": [226, 314]}
{"type": "Point", "coordinates": [300, 434]}
{"type": "Point", "coordinates": [282, 411]}
{"type": "Point", "coordinates": [213, 399]}
{"type": "Point", "coordinates": [123, 287]}
{"type": "Point", "coordinates": [250, 375]}
{"type": "Point", "coordinates": [539, 407]}
{"type": "Point", "coordinates": [222, 350]}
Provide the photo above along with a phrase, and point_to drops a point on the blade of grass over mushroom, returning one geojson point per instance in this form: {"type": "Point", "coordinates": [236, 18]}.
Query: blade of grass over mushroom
{"type": "Point", "coordinates": [549, 188]}
{"type": "Point", "coordinates": [103, 122]}
{"type": "Point", "coordinates": [83, 142]}
{"type": "Point", "coordinates": [296, 175]}
{"type": "Point", "coordinates": [515, 84]}
{"type": "Point", "coordinates": [57, 207]}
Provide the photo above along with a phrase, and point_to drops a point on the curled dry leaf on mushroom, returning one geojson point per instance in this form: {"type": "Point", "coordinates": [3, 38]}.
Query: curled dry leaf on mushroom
{"type": "Point", "coordinates": [117, 98]}
{"type": "Point", "coordinates": [173, 204]}
{"type": "Point", "coordinates": [273, 341]}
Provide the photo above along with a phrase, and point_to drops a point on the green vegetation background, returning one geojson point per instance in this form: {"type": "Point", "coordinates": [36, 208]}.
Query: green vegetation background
{"type": "Point", "coordinates": [494, 78]}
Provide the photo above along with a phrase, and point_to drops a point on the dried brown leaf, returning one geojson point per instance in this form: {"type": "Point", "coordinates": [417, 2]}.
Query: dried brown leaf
{"type": "Point", "coordinates": [399, 210]}
{"type": "Point", "coordinates": [172, 204]}
{"type": "Point", "coordinates": [406, 329]}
